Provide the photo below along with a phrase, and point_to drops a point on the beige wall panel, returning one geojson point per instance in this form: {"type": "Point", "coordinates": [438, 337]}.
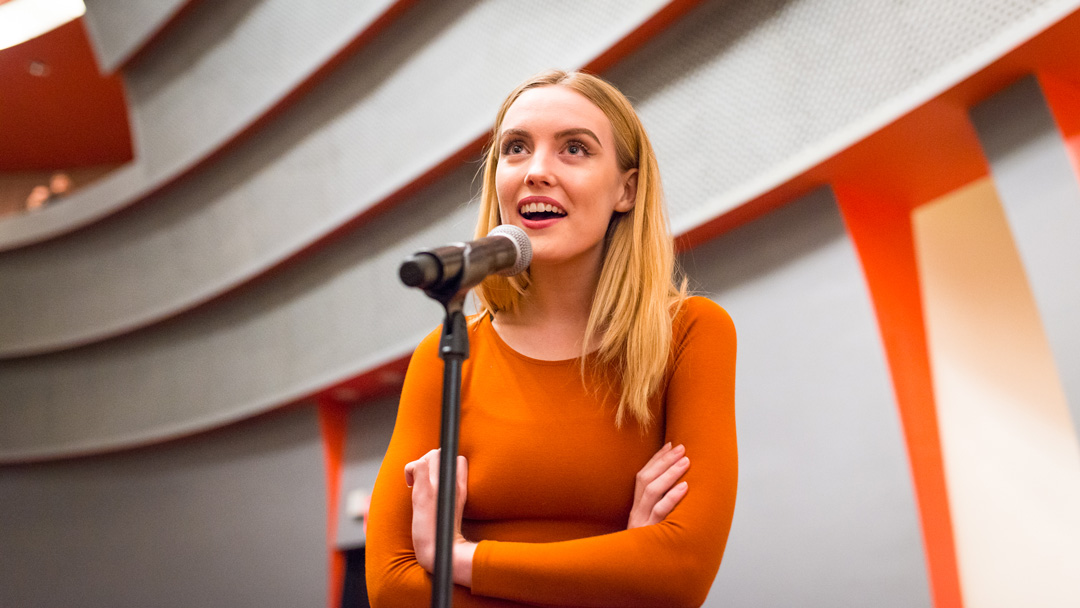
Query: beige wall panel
{"type": "Point", "coordinates": [1012, 461]}
{"type": "Point", "coordinates": [1037, 183]}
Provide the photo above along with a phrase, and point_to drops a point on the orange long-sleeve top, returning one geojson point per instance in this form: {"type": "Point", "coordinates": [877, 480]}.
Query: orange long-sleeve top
{"type": "Point", "coordinates": [551, 477]}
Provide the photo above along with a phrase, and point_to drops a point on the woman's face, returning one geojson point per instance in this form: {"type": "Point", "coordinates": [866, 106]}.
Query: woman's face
{"type": "Point", "coordinates": [557, 176]}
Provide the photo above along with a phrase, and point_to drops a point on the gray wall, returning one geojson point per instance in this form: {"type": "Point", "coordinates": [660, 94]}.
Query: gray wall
{"type": "Point", "coordinates": [825, 514]}
{"type": "Point", "coordinates": [236, 517]}
{"type": "Point", "coordinates": [370, 427]}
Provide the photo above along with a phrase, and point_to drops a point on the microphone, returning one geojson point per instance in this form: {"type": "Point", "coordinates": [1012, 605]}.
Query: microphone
{"type": "Point", "coordinates": [459, 266]}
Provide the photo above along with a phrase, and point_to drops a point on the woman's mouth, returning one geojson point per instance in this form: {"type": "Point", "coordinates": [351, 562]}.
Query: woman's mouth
{"type": "Point", "coordinates": [540, 211]}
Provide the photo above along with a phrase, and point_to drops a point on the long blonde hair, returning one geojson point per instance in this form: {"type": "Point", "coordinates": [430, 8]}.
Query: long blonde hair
{"type": "Point", "coordinates": [637, 295]}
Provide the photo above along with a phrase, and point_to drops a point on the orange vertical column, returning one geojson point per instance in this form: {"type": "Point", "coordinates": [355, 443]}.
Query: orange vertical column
{"type": "Point", "coordinates": [883, 238]}
{"type": "Point", "coordinates": [332, 426]}
{"type": "Point", "coordinates": [877, 183]}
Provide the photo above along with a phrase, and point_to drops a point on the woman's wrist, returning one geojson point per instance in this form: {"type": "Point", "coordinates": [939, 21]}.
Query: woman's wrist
{"type": "Point", "coordinates": [463, 562]}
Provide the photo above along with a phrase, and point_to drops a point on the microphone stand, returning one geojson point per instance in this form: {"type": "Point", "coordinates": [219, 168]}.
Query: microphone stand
{"type": "Point", "coordinates": [446, 274]}
{"type": "Point", "coordinates": [453, 350]}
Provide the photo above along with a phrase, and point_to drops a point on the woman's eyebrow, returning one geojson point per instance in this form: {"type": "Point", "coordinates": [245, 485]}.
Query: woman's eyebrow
{"type": "Point", "coordinates": [578, 131]}
{"type": "Point", "coordinates": [515, 132]}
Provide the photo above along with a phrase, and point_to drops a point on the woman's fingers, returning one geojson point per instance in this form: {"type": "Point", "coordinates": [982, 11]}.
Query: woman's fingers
{"type": "Point", "coordinates": [660, 463]}
{"type": "Point", "coordinates": [666, 480]}
{"type": "Point", "coordinates": [655, 491]}
{"type": "Point", "coordinates": [410, 469]}
{"type": "Point", "coordinates": [422, 475]}
{"type": "Point", "coordinates": [422, 491]}
{"type": "Point", "coordinates": [423, 516]}
{"type": "Point", "coordinates": [657, 467]}
{"type": "Point", "coordinates": [460, 492]}
{"type": "Point", "coordinates": [657, 464]}
{"type": "Point", "coordinates": [666, 504]}
{"type": "Point", "coordinates": [462, 476]}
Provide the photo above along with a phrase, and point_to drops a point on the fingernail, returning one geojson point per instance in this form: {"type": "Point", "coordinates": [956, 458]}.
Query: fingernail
{"type": "Point", "coordinates": [667, 446]}
{"type": "Point", "coordinates": [684, 461]}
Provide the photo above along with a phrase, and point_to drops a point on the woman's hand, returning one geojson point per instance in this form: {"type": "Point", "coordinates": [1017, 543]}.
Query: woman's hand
{"type": "Point", "coordinates": [423, 477]}
{"type": "Point", "coordinates": [656, 493]}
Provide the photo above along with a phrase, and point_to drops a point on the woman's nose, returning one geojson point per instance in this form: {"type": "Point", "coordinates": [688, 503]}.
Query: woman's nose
{"type": "Point", "coordinates": [539, 172]}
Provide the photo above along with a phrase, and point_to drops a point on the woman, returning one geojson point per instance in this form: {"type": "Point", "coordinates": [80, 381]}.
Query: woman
{"type": "Point", "coordinates": [592, 384]}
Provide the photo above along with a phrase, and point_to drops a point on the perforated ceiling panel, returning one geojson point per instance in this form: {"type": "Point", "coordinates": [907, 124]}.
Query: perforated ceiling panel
{"type": "Point", "coordinates": [740, 96]}
{"type": "Point", "coordinates": [119, 27]}
{"type": "Point", "coordinates": [417, 94]}
{"type": "Point", "coordinates": [737, 95]}
{"type": "Point", "coordinates": [229, 64]}
{"type": "Point", "coordinates": [313, 324]}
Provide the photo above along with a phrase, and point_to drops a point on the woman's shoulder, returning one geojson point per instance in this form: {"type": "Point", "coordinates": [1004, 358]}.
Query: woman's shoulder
{"type": "Point", "coordinates": [700, 316]}
{"type": "Point", "coordinates": [477, 325]}
{"type": "Point", "coordinates": [427, 350]}
{"type": "Point", "coordinates": [431, 341]}
{"type": "Point", "coordinates": [699, 309]}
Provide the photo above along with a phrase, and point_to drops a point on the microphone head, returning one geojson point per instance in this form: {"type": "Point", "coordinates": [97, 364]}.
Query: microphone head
{"type": "Point", "coordinates": [521, 244]}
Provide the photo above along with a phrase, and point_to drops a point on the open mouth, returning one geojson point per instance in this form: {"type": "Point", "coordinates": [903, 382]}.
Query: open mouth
{"type": "Point", "coordinates": [541, 211]}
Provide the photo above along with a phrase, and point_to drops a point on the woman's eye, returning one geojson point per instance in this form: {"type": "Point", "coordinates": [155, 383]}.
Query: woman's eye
{"type": "Point", "coordinates": [576, 148]}
{"type": "Point", "coordinates": [513, 147]}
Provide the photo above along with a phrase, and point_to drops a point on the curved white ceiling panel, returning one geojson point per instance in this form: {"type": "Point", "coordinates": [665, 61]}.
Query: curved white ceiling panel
{"type": "Point", "coordinates": [420, 93]}
{"type": "Point", "coordinates": [308, 326]}
{"type": "Point", "coordinates": [722, 126]}
{"type": "Point", "coordinates": [119, 28]}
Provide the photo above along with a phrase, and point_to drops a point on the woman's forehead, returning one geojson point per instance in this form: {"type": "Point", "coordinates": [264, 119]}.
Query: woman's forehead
{"type": "Point", "coordinates": [555, 107]}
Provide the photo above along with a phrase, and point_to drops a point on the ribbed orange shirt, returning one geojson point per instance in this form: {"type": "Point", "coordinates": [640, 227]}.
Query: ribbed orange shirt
{"type": "Point", "coordinates": [551, 478]}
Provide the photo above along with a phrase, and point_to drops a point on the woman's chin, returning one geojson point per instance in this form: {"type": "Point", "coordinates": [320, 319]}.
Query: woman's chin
{"type": "Point", "coordinates": [555, 255]}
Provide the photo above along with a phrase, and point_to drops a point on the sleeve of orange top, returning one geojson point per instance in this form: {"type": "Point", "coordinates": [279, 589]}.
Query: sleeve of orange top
{"type": "Point", "coordinates": [394, 577]}
{"type": "Point", "coordinates": [672, 563]}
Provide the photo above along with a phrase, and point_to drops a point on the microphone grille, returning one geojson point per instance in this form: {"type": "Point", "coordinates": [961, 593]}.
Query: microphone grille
{"type": "Point", "coordinates": [521, 244]}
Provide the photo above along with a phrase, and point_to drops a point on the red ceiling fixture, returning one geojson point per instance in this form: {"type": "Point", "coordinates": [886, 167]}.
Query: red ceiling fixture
{"type": "Point", "coordinates": [57, 111]}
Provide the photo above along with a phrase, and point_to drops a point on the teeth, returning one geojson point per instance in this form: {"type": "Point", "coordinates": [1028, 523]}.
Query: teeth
{"type": "Point", "coordinates": [541, 208]}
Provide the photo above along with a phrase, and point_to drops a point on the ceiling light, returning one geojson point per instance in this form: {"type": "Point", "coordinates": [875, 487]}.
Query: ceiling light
{"type": "Point", "coordinates": [22, 20]}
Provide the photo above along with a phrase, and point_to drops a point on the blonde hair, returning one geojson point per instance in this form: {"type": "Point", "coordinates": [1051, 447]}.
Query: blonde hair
{"type": "Point", "coordinates": [637, 296]}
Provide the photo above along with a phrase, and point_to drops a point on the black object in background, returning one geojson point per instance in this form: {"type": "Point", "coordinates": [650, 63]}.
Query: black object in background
{"type": "Point", "coordinates": [354, 591]}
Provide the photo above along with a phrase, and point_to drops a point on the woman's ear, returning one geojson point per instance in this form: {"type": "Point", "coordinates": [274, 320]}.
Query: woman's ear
{"type": "Point", "coordinates": [629, 194]}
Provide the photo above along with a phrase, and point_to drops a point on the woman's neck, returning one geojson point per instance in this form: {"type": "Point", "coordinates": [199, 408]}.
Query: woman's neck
{"type": "Point", "coordinates": [551, 319]}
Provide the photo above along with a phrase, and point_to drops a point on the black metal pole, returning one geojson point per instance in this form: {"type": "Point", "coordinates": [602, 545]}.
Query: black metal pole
{"type": "Point", "coordinates": [453, 350]}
